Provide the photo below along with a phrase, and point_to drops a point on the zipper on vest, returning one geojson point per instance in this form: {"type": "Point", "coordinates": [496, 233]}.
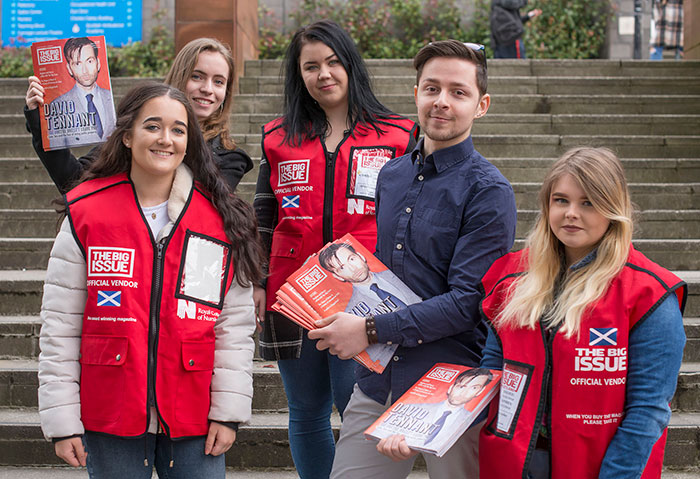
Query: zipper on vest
{"type": "Point", "coordinates": [153, 328]}
{"type": "Point", "coordinates": [328, 188]}
{"type": "Point", "coordinates": [328, 191]}
{"type": "Point", "coordinates": [545, 395]}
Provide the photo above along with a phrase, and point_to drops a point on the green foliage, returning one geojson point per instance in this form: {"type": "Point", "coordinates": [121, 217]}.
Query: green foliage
{"type": "Point", "coordinates": [568, 29]}
{"type": "Point", "coordinates": [15, 62]}
{"type": "Point", "coordinates": [381, 28]}
{"type": "Point", "coordinates": [399, 28]}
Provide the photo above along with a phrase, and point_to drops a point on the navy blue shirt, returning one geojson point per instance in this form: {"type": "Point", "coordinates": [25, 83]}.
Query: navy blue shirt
{"type": "Point", "coordinates": [442, 221]}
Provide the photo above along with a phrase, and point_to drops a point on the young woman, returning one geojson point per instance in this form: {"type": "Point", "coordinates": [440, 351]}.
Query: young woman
{"type": "Point", "coordinates": [317, 179]}
{"type": "Point", "coordinates": [588, 332]}
{"type": "Point", "coordinates": [204, 70]}
{"type": "Point", "coordinates": [147, 315]}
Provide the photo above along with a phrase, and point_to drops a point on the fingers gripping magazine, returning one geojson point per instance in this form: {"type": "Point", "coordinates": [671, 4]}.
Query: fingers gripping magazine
{"type": "Point", "coordinates": [344, 276]}
{"type": "Point", "coordinates": [78, 105]}
{"type": "Point", "coordinates": [437, 410]}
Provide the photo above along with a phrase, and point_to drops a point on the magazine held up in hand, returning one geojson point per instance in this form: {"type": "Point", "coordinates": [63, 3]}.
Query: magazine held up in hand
{"type": "Point", "coordinates": [78, 105]}
{"type": "Point", "coordinates": [344, 276]}
{"type": "Point", "coordinates": [437, 410]}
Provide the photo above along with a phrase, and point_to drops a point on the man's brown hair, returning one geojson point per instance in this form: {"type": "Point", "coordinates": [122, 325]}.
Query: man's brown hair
{"type": "Point", "coordinates": [453, 49]}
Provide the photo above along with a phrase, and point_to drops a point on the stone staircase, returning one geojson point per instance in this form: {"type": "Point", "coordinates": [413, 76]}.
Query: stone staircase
{"type": "Point", "coordinates": [648, 112]}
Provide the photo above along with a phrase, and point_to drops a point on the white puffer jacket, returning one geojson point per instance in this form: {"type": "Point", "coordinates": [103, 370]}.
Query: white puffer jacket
{"type": "Point", "coordinates": [62, 309]}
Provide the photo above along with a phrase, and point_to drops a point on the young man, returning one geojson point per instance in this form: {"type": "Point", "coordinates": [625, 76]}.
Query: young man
{"type": "Point", "coordinates": [444, 214]}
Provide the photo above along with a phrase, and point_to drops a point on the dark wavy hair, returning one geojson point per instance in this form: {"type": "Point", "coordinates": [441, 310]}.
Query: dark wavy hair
{"type": "Point", "coordinates": [301, 110]}
{"type": "Point", "coordinates": [238, 216]}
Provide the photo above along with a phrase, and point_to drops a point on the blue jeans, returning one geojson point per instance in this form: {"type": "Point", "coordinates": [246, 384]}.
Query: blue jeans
{"type": "Point", "coordinates": [313, 383]}
{"type": "Point", "coordinates": [112, 457]}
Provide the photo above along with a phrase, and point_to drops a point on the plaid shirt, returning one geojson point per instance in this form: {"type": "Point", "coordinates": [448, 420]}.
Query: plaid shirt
{"type": "Point", "coordinates": [668, 20]}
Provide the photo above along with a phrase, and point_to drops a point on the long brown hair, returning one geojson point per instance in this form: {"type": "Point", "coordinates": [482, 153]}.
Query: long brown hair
{"type": "Point", "coordinates": [238, 216]}
{"type": "Point", "coordinates": [216, 124]}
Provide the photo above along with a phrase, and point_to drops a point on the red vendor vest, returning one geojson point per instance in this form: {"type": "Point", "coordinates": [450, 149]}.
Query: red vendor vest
{"type": "Point", "coordinates": [588, 375]}
{"type": "Point", "coordinates": [320, 201]}
{"type": "Point", "coordinates": [148, 327]}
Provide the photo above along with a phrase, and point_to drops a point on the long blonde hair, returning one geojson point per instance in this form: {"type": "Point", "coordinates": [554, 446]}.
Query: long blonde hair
{"type": "Point", "coordinates": [532, 296]}
{"type": "Point", "coordinates": [216, 124]}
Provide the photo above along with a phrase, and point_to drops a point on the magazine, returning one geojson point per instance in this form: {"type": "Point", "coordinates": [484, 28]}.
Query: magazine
{"type": "Point", "coordinates": [344, 276]}
{"type": "Point", "coordinates": [437, 410]}
{"type": "Point", "coordinates": [78, 104]}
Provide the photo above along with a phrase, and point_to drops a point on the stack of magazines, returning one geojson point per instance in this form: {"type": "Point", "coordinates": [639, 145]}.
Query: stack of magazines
{"type": "Point", "coordinates": [344, 277]}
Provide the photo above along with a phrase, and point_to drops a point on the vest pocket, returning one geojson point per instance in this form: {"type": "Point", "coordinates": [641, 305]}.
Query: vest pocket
{"type": "Point", "coordinates": [102, 376]}
{"type": "Point", "coordinates": [193, 396]}
{"type": "Point", "coordinates": [286, 245]}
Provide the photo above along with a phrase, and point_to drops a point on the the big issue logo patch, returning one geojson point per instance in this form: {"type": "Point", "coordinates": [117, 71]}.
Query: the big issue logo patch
{"type": "Point", "coordinates": [110, 261]}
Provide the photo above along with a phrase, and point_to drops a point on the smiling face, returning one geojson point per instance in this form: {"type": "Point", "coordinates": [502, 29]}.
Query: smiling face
{"type": "Point", "coordinates": [206, 88]}
{"type": "Point", "coordinates": [157, 139]}
{"type": "Point", "coordinates": [324, 76]}
{"type": "Point", "coordinates": [448, 100]}
{"type": "Point", "coordinates": [84, 67]}
{"type": "Point", "coordinates": [464, 390]}
{"type": "Point", "coordinates": [574, 220]}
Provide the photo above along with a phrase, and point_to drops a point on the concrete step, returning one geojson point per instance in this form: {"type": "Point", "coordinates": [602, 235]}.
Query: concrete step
{"type": "Point", "coordinates": [64, 472]}
{"type": "Point", "coordinates": [673, 254]}
{"type": "Point", "coordinates": [692, 334]}
{"type": "Point", "coordinates": [540, 124]}
{"type": "Point", "coordinates": [652, 104]}
{"type": "Point", "coordinates": [491, 146]}
{"type": "Point", "coordinates": [261, 444]}
{"type": "Point", "coordinates": [666, 196]}
{"type": "Point", "coordinates": [492, 124]}
{"type": "Point", "coordinates": [19, 337]}
{"type": "Point", "coordinates": [33, 253]}
{"type": "Point", "coordinates": [20, 292]}
{"type": "Point", "coordinates": [61, 472]}
{"type": "Point", "coordinates": [647, 196]}
{"type": "Point", "coordinates": [19, 383]}
{"type": "Point", "coordinates": [551, 146]}
{"type": "Point", "coordinates": [30, 225]}
{"type": "Point", "coordinates": [637, 170]}
{"type": "Point", "coordinates": [264, 442]}
{"type": "Point", "coordinates": [498, 68]}
{"type": "Point", "coordinates": [529, 85]}
{"type": "Point", "coordinates": [41, 195]}
{"type": "Point", "coordinates": [687, 397]}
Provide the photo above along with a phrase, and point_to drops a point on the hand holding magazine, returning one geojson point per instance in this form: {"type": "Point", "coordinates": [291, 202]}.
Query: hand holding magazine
{"type": "Point", "coordinates": [344, 276]}
{"type": "Point", "coordinates": [78, 107]}
{"type": "Point", "coordinates": [437, 410]}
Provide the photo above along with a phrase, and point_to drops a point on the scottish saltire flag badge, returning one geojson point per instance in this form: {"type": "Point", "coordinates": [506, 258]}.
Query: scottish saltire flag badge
{"type": "Point", "coordinates": [602, 337]}
{"type": "Point", "coordinates": [109, 298]}
{"type": "Point", "coordinates": [291, 201]}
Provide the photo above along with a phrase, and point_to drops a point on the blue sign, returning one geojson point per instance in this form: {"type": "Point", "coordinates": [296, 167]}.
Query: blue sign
{"type": "Point", "coordinates": [28, 21]}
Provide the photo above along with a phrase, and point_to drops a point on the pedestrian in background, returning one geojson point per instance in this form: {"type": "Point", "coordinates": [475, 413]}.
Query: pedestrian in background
{"type": "Point", "coordinates": [668, 28]}
{"type": "Point", "coordinates": [507, 27]}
